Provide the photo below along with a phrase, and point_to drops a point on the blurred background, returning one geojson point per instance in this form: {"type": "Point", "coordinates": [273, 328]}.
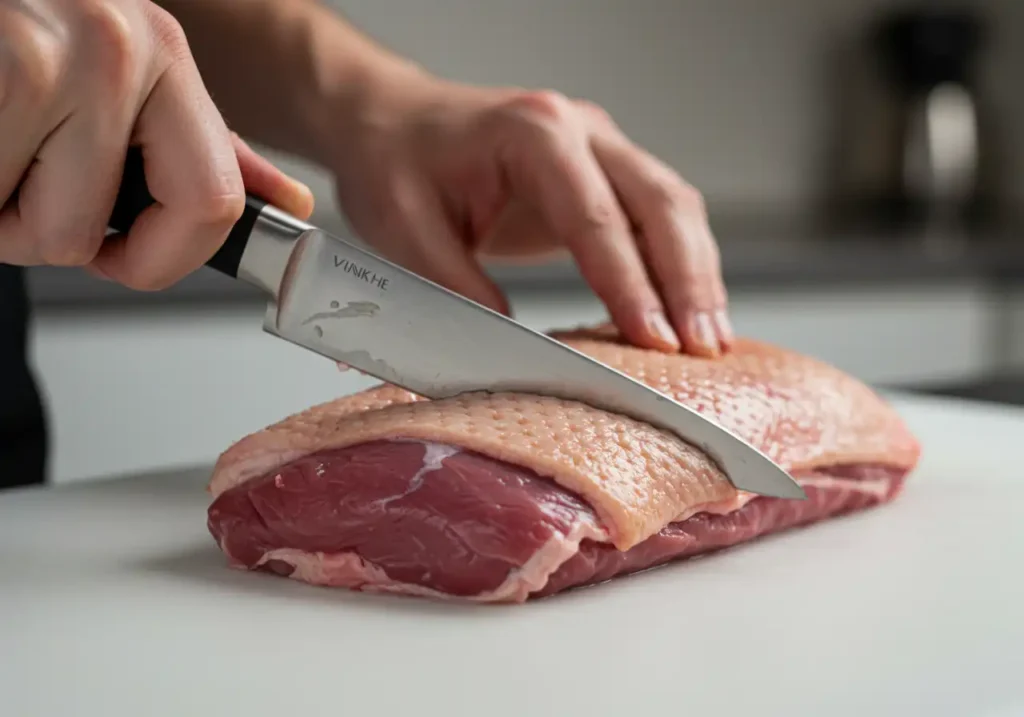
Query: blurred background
{"type": "Point", "coordinates": [863, 164]}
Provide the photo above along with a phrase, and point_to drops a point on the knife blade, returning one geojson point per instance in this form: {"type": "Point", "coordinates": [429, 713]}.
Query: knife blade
{"type": "Point", "coordinates": [343, 302]}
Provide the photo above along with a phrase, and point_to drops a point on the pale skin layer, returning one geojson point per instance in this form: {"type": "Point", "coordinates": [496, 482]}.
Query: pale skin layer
{"type": "Point", "coordinates": [803, 414]}
{"type": "Point", "coordinates": [431, 172]}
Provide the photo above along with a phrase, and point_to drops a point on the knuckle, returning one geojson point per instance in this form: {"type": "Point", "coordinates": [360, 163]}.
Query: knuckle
{"type": "Point", "coordinates": [78, 252]}
{"type": "Point", "coordinates": [596, 219]}
{"type": "Point", "coordinates": [38, 60]}
{"type": "Point", "coordinates": [699, 260]}
{"type": "Point", "coordinates": [595, 111]}
{"type": "Point", "coordinates": [664, 198]}
{"type": "Point", "coordinates": [398, 200]}
{"type": "Point", "coordinates": [700, 284]}
{"type": "Point", "coordinates": [110, 32]}
{"type": "Point", "coordinates": [220, 210]}
{"type": "Point", "coordinates": [168, 33]}
{"type": "Point", "coordinates": [542, 106]}
{"type": "Point", "coordinates": [690, 198]}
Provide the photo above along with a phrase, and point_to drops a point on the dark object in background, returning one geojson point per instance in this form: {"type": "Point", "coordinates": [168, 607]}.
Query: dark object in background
{"type": "Point", "coordinates": [1005, 390]}
{"type": "Point", "coordinates": [916, 147]}
{"type": "Point", "coordinates": [23, 438]}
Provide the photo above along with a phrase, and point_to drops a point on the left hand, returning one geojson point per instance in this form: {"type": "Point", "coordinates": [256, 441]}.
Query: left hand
{"type": "Point", "coordinates": [437, 175]}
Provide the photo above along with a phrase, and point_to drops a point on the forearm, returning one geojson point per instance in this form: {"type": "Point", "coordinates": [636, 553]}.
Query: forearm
{"type": "Point", "coordinates": [283, 72]}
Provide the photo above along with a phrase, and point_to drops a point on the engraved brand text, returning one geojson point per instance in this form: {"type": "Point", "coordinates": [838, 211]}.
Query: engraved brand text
{"type": "Point", "coordinates": [361, 272]}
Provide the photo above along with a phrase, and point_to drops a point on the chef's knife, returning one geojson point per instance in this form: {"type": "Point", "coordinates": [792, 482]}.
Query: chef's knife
{"type": "Point", "coordinates": [343, 302]}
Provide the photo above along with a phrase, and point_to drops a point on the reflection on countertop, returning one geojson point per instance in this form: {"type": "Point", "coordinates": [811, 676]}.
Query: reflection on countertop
{"type": "Point", "coordinates": [759, 251]}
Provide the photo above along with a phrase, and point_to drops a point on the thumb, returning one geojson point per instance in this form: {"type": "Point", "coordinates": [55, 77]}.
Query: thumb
{"type": "Point", "coordinates": [268, 182]}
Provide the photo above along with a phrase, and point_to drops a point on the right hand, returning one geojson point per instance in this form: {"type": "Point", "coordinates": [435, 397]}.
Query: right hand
{"type": "Point", "coordinates": [81, 81]}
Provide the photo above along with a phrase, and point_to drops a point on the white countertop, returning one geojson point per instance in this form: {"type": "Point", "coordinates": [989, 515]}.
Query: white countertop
{"type": "Point", "coordinates": [115, 601]}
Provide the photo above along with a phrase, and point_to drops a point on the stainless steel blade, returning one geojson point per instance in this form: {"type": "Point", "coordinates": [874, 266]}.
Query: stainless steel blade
{"type": "Point", "coordinates": [345, 303]}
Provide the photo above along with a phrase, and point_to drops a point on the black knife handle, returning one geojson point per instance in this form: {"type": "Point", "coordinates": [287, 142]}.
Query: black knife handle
{"type": "Point", "coordinates": [133, 197]}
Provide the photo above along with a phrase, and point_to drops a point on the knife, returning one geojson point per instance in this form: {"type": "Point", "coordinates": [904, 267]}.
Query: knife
{"type": "Point", "coordinates": [334, 298]}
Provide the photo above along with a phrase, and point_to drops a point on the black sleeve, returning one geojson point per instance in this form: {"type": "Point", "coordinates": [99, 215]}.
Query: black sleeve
{"type": "Point", "coordinates": [23, 440]}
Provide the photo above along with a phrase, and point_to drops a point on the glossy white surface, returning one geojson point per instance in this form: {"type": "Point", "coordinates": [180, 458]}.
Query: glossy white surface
{"type": "Point", "coordinates": [114, 601]}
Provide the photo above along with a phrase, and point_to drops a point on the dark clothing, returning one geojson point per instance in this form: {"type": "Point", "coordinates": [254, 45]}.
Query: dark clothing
{"type": "Point", "coordinates": [23, 444]}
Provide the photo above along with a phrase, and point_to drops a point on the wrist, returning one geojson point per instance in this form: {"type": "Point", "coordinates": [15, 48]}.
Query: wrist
{"type": "Point", "coordinates": [358, 86]}
{"type": "Point", "coordinates": [377, 91]}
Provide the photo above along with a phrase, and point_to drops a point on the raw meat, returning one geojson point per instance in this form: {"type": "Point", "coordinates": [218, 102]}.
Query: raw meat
{"type": "Point", "coordinates": [506, 497]}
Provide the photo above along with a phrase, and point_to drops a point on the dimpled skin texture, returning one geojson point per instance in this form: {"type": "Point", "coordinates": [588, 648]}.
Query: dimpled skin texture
{"type": "Point", "coordinates": [640, 482]}
{"type": "Point", "coordinates": [801, 412]}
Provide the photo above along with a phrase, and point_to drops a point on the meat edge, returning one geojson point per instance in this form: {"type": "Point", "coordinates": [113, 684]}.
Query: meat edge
{"type": "Point", "coordinates": [349, 570]}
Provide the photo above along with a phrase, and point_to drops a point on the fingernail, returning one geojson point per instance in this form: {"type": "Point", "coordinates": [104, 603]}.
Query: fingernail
{"type": "Point", "coordinates": [301, 187]}
{"type": "Point", "coordinates": [706, 335]}
{"type": "Point", "coordinates": [308, 200]}
{"type": "Point", "coordinates": [724, 325]}
{"type": "Point", "coordinates": [659, 327]}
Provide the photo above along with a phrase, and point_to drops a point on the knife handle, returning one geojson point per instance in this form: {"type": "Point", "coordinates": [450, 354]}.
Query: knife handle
{"type": "Point", "coordinates": [133, 198]}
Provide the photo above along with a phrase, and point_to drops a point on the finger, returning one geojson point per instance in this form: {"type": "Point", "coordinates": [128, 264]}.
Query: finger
{"type": "Point", "coordinates": [193, 175]}
{"type": "Point", "coordinates": [29, 70]}
{"type": "Point", "coordinates": [68, 195]}
{"type": "Point", "coordinates": [681, 251]}
{"type": "Point", "coordinates": [266, 181]}
{"type": "Point", "coordinates": [419, 236]}
{"type": "Point", "coordinates": [17, 248]}
{"type": "Point", "coordinates": [553, 169]}
{"type": "Point", "coordinates": [31, 62]}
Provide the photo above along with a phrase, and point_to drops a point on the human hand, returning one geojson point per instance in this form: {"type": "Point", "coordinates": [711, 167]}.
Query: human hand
{"type": "Point", "coordinates": [437, 175]}
{"type": "Point", "coordinates": [81, 80]}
